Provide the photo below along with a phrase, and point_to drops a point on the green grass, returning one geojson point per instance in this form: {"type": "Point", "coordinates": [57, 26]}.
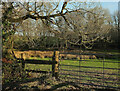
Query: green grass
{"type": "Point", "coordinates": [89, 76]}
{"type": "Point", "coordinates": [41, 67]}
{"type": "Point", "coordinates": [74, 65]}
{"type": "Point", "coordinates": [92, 63]}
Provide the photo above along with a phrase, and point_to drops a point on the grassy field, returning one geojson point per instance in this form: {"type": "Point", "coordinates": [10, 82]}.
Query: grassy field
{"type": "Point", "coordinates": [70, 70]}
{"type": "Point", "coordinates": [109, 63]}
{"type": "Point", "coordinates": [39, 66]}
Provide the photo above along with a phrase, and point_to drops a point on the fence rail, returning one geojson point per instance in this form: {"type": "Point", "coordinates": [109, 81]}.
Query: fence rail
{"type": "Point", "coordinates": [54, 62]}
{"type": "Point", "coordinates": [33, 61]}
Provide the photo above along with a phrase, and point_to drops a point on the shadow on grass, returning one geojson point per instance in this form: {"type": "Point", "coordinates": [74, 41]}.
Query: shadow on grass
{"type": "Point", "coordinates": [55, 87]}
{"type": "Point", "coordinates": [58, 87]}
{"type": "Point", "coordinates": [16, 85]}
{"type": "Point", "coordinates": [78, 88]}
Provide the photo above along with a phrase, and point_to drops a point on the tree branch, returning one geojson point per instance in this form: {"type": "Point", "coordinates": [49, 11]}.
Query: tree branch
{"type": "Point", "coordinates": [63, 7]}
{"type": "Point", "coordinates": [40, 17]}
{"type": "Point", "coordinates": [54, 9]}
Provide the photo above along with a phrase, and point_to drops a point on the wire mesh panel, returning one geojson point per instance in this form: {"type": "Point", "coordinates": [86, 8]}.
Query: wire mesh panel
{"type": "Point", "coordinates": [97, 72]}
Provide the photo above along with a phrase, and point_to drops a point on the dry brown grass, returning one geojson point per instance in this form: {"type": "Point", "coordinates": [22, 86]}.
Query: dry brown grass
{"type": "Point", "coordinates": [49, 54]}
{"type": "Point", "coordinates": [28, 54]}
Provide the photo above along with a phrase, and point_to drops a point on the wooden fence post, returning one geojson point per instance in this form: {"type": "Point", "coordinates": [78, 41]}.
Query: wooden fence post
{"type": "Point", "coordinates": [55, 66]}
{"type": "Point", "coordinates": [23, 61]}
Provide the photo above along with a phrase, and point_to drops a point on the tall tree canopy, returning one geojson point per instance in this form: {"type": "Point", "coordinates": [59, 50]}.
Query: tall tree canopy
{"type": "Point", "coordinates": [77, 23]}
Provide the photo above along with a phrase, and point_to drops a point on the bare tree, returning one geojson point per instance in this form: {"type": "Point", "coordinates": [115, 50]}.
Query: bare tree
{"type": "Point", "coordinates": [76, 23]}
{"type": "Point", "coordinates": [114, 32]}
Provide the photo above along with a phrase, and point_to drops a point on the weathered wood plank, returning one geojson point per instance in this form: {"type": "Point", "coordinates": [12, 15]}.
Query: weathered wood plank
{"type": "Point", "coordinates": [33, 61]}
